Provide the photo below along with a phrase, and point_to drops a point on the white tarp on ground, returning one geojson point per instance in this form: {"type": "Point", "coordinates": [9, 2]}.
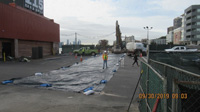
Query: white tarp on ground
{"type": "Point", "coordinates": [76, 78]}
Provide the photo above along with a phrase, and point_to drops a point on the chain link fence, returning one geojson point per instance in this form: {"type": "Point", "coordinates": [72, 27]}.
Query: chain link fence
{"type": "Point", "coordinates": [166, 88]}
{"type": "Point", "coordinates": [151, 87]}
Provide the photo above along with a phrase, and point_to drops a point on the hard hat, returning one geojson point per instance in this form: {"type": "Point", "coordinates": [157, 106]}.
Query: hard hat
{"type": "Point", "coordinates": [104, 51]}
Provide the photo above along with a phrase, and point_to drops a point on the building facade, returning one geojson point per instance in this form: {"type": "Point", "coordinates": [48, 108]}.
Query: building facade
{"type": "Point", "coordinates": [67, 42]}
{"type": "Point", "coordinates": [177, 22]}
{"type": "Point", "coordinates": [36, 6]}
{"type": "Point", "coordinates": [177, 35]}
{"type": "Point", "coordinates": [22, 30]}
{"type": "Point", "coordinates": [170, 37]}
{"type": "Point", "coordinates": [158, 41]}
{"type": "Point", "coordinates": [192, 25]}
{"type": "Point", "coordinates": [171, 28]}
{"type": "Point", "coordinates": [182, 30]}
{"type": "Point", "coordinates": [79, 42]}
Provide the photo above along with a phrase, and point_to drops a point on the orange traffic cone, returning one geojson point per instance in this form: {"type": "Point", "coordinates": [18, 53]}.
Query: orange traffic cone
{"type": "Point", "coordinates": [81, 59]}
{"type": "Point", "coordinates": [76, 56]}
{"type": "Point", "coordinates": [140, 54]}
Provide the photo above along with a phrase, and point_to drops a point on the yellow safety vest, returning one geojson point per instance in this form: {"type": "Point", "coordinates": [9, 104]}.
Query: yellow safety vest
{"type": "Point", "coordinates": [105, 57]}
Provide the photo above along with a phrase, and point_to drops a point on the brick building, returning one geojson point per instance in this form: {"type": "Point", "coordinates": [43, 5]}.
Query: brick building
{"type": "Point", "coordinates": [22, 30]}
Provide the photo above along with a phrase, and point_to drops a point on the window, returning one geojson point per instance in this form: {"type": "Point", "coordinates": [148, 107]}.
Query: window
{"type": "Point", "coordinates": [188, 30]}
{"type": "Point", "coordinates": [177, 48]}
{"type": "Point", "coordinates": [196, 23]}
{"type": "Point", "coordinates": [193, 23]}
{"type": "Point", "coordinates": [188, 11]}
{"type": "Point", "coordinates": [188, 24]}
{"type": "Point", "coordinates": [194, 42]}
{"type": "Point", "coordinates": [194, 29]}
{"type": "Point", "coordinates": [198, 17]}
{"type": "Point", "coordinates": [197, 36]}
{"type": "Point", "coordinates": [198, 10]}
{"type": "Point", "coordinates": [182, 48]}
{"type": "Point", "coordinates": [188, 18]}
{"type": "Point", "coordinates": [194, 10]}
{"type": "Point", "coordinates": [194, 17]}
{"type": "Point", "coordinates": [188, 36]}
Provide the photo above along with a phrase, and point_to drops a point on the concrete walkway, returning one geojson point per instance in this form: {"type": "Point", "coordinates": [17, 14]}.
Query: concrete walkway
{"type": "Point", "coordinates": [123, 84]}
{"type": "Point", "coordinates": [115, 97]}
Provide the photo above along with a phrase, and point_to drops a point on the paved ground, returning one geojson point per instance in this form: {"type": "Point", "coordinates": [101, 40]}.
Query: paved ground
{"type": "Point", "coordinates": [115, 97]}
{"type": "Point", "coordinates": [13, 69]}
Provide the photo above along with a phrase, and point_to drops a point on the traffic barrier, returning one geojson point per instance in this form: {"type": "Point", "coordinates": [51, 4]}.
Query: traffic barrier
{"type": "Point", "coordinates": [45, 85]}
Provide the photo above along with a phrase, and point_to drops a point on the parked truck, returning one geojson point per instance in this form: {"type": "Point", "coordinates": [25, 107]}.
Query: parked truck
{"type": "Point", "coordinates": [85, 51]}
{"type": "Point", "coordinates": [133, 47]}
{"type": "Point", "coordinates": [180, 49]}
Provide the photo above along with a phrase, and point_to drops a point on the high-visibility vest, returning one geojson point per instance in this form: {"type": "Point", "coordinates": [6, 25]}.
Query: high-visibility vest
{"type": "Point", "coordinates": [105, 57]}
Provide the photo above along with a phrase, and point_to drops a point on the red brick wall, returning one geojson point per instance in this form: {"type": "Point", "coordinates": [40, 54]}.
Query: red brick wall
{"type": "Point", "coordinates": [25, 47]}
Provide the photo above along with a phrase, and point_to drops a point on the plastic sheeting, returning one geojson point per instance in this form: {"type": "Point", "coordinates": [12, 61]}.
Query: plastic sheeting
{"type": "Point", "coordinates": [78, 77]}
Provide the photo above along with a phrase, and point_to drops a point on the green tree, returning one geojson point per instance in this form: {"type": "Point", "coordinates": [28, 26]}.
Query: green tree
{"type": "Point", "coordinates": [103, 43]}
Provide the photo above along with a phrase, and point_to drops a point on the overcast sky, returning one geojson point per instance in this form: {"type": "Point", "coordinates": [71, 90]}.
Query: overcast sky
{"type": "Point", "coordinates": [95, 19]}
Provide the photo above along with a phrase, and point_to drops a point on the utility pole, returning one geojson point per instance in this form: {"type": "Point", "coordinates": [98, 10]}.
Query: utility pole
{"type": "Point", "coordinates": [148, 28]}
{"type": "Point", "coordinates": [75, 38]}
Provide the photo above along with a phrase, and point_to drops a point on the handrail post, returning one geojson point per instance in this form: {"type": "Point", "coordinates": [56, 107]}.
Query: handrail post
{"type": "Point", "coordinates": [147, 84]}
{"type": "Point", "coordinates": [165, 89]}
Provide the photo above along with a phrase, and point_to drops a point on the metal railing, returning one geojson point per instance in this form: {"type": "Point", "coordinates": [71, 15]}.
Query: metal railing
{"type": "Point", "coordinates": [175, 88]}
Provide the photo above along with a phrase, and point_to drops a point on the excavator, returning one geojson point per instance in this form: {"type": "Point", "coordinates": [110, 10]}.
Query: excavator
{"type": "Point", "coordinates": [117, 48]}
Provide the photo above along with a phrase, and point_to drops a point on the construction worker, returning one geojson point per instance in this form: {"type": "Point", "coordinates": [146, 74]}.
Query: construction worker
{"type": "Point", "coordinates": [105, 58]}
{"type": "Point", "coordinates": [135, 60]}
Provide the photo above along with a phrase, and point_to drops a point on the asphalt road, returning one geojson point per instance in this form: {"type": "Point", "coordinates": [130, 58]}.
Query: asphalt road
{"type": "Point", "coordinates": [14, 69]}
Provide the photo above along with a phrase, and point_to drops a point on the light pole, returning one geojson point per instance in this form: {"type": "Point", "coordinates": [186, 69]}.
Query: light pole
{"type": "Point", "coordinates": [148, 28]}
